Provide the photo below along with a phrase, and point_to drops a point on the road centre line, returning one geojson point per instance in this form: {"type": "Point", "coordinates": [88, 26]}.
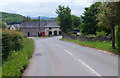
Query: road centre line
{"type": "Point", "coordinates": [80, 61]}
{"type": "Point", "coordinates": [64, 49]}
{"type": "Point", "coordinates": [89, 68]}
{"type": "Point", "coordinates": [58, 46]}
{"type": "Point", "coordinates": [68, 52]}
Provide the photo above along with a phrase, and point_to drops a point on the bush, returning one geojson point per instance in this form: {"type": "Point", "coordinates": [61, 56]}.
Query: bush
{"type": "Point", "coordinates": [11, 41]}
{"type": "Point", "coordinates": [17, 61]}
{"type": "Point", "coordinates": [2, 25]}
{"type": "Point", "coordinates": [100, 34]}
{"type": "Point", "coordinates": [90, 35]}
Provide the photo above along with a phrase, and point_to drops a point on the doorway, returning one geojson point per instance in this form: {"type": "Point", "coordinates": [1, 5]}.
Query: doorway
{"type": "Point", "coordinates": [50, 33]}
{"type": "Point", "coordinates": [28, 34]}
{"type": "Point", "coordinates": [55, 33]}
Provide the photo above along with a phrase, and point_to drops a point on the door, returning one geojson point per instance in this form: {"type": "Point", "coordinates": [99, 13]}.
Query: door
{"type": "Point", "coordinates": [28, 34]}
{"type": "Point", "coordinates": [55, 33]}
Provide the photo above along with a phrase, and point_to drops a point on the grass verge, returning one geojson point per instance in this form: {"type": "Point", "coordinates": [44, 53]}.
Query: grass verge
{"type": "Point", "coordinates": [96, 44]}
{"type": "Point", "coordinates": [17, 61]}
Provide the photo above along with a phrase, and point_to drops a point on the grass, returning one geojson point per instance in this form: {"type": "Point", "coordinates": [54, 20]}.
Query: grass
{"type": "Point", "coordinates": [96, 44]}
{"type": "Point", "coordinates": [0, 71]}
{"type": "Point", "coordinates": [17, 61]}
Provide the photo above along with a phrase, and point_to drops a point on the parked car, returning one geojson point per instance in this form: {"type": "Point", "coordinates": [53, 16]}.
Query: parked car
{"type": "Point", "coordinates": [76, 31]}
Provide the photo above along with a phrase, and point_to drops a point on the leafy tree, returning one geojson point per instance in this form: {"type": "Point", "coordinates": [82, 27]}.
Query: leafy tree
{"type": "Point", "coordinates": [76, 21]}
{"type": "Point", "coordinates": [64, 18]}
{"type": "Point", "coordinates": [89, 19]}
{"type": "Point", "coordinates": [27, 19]}
{"type": "Point", "coordinates": [2, 25]}
{"type": "Point", "coordinates": [118, 23]}
{"type": "Point", "coordinates": [108, 17]}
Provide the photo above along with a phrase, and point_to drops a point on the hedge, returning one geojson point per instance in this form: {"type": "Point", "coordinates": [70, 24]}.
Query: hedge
{"type": "Point", "coordinates": [18, 60]}
{"type": "Point", "coordinates": [11, 41]}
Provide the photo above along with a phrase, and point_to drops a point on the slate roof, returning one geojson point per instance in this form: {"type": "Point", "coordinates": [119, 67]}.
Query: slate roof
{"type": "Point", "coordinates": [40, 24]}
{"type": "Point", "coordinates": [17, 25]}
{"type": "Point", "coordinates": [52, 24]}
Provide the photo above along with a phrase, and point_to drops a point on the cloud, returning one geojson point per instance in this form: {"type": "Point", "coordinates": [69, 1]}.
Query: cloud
{"type": "Point", "coordinates": [42, 7]}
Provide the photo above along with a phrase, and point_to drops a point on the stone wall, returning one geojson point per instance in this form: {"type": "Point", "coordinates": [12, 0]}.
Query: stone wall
{"type": "Point", "coordinates": [83, 38]}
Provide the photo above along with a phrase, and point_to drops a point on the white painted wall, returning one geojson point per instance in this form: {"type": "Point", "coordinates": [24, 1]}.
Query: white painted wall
{"type": "Point", "coordinates": [53, 29]}
{"type": "Point", "coordinates": [13, 28]}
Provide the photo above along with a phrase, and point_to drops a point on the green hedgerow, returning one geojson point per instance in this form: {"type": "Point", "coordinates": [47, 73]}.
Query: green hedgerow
{"type": "Point", "coordinates": [11, 41]}
{"type": "Point", "coordinates": [18, 60]}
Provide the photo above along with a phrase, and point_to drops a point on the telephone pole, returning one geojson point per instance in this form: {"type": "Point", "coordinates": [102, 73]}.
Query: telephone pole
{"type": "Point", "coordinates": [39, 21]}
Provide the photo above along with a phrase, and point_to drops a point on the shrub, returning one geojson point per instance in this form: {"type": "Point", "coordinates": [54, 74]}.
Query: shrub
{"type": "Point", "coordinates": [2, 25]}
{"type": "Point", "coordinates": [90, 35]}
{"type": "Point", "coordinates": [100, 34]}
{"type": "Point", "coordinates": [17, 61]}
{"type": "Point", "coordinates": [11, 41]}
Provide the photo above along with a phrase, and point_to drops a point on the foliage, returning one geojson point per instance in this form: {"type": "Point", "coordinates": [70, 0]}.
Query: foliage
{"type": "Point", "coordinates": [118, 37]}
{"type": "Point", "coordinates": [34, 19]}
{"type": "Point", "coordinates": [118, 24]}
{"type": "Point", "coordinates": [100, 34]}
{"type": "Point", "coordinates": [11, 40]}
{"type": "Point", "coordinates": [76, 21]}
{"type": "Point", "coordinates": [10, 18]}
{"type": "Point", "coordinates": [2, 25]}
{"type": "Point", "coordinates": [96, 44]}
{"type": "Point", "coordinates": [64, 18]}
{"type": "Point", "coordinates": [17, 61]}
{"type": "Point", "coordinates": [109, 17]}
{"type": "Point", "coordinates": [90, 35]}
{"type": "Point", "coordinates": [89, 19]}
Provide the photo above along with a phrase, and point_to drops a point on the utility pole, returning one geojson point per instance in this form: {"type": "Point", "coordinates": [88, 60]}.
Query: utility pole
{"type": "Point", "coordinates": [39, 21]}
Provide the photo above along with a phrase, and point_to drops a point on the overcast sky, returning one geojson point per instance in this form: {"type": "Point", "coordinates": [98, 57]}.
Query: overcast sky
{"type": "Point", "coordinates": [36, 8]}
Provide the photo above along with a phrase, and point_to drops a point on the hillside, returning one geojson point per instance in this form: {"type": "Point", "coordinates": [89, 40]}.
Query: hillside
{"type": "Point", "coordinates": [11, 18]}
{"type": "Point", "coordinates": [43, 18]}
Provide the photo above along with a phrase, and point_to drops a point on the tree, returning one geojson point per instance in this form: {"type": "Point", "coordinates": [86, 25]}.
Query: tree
{"type": "Point", "coordinates": [64, 18]}
{"type": "Point", "coordinates": [26, 19]}
{"type": "Point", "coordinates": [118, 24]}
{"type": "Point", "coordinates": [76, 21]}
{"type": "Point", "coordinates": [108, 16]}
{"type": "Point", "coordinates": [2, 25]}
{"type": "Point", "coordinates": [11, 18]}
{"type": "Point", "coordinates": [89, 19]}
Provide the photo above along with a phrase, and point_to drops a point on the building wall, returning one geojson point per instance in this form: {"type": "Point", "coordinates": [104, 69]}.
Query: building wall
{"type": "Point", "coordinates": [12, 28]}
{"type": "Point", "coordinates": [48, 29]}
{"type": "Point", "coordinates": [33, 32]}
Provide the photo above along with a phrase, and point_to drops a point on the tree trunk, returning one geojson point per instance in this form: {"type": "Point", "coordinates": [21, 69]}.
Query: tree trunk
{"type": "Point", "coordinates": [113, 37]}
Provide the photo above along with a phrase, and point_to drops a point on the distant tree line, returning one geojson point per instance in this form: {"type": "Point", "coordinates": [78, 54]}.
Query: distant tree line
{"type": "Point", "coordinates": [100, 19]}
{"type": "Point", "coordinates": [10, 18]}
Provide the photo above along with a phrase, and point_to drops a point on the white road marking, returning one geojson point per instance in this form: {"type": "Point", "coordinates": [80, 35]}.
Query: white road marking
{"type": "Point", "coordinates": [75, 59]}
{"type": "Point", "coordinates": [64, 49]}
{"type": "Point", "coordinates": [58, 46]}
{"type": "Point", "coordinates": [80, 61]}
{"type": "Point", "coordinates": [68, 52]}
{"type": "Point", "coordinates": [89, 67]}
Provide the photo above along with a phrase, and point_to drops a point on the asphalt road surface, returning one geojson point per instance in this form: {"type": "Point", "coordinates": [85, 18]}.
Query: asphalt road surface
{"type": "Point", "coordinates": [53, 57]}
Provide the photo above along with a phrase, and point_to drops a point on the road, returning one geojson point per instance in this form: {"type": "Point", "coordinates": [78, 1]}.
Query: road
{"type": "Point", "coordinates": [53, 57]}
